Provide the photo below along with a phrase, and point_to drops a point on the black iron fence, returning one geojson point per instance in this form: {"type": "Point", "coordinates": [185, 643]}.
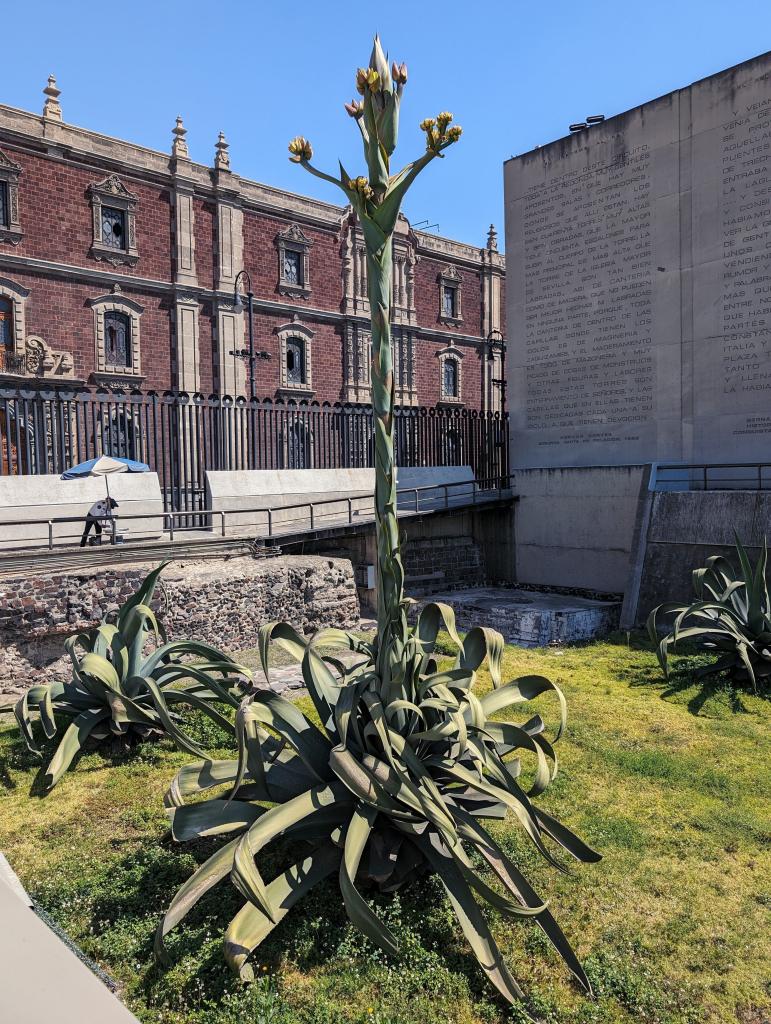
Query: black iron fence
{"type": "Point", "coordinates": [182, 436]}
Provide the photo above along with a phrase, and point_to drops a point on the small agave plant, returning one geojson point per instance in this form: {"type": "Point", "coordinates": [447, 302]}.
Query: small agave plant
{"type": "Point", "coordinates": [119, 689]}
{"type": "Point", "coordinates": [730, 616]}
{"type": "Point", "coordinates": [407, 761]}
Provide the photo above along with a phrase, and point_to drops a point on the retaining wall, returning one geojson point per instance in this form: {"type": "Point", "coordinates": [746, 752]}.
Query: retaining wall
{"type": "Point", "coordinates": [223, 602]}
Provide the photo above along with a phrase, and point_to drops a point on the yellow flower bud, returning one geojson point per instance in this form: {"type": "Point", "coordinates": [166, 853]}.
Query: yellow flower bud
{"type": "Point", "coordinates": [300, 149]}
{"type": "Point", "coordinates": [443, 120]}
{"type": "Point", "coordinates": [454, 133]}
{"type": "Point", "coordinates": [427, 124]}
{"type": "Point", "coordinates": [361, 185]}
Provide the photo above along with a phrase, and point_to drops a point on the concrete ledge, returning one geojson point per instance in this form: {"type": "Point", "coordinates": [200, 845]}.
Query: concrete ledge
{"type": "Point", "coordinates": [43, 980]}
{"type": "Point", "coordinates": [256, 491]}
{"type": "Point", "coordinates": [48, 496]}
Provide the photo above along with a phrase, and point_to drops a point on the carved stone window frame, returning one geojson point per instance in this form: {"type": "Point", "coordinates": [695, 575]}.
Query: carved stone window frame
{"type": "Point", "coordinates": [105, 373]}
{"type": "Point", "coordinates": [9, 176]}
{"type": "Point", "coordinates": [294, 240]}
{"type": "Point", "coordinates": [112, 192]}
{"type": "Point", "coordinates": [450, 277]}
{"type": "Point", "coordinates": [291, 331]}
{"type": "Point", "coordinates": [454, 354]}
{"type": "Point", "coordinates": [17, 296]}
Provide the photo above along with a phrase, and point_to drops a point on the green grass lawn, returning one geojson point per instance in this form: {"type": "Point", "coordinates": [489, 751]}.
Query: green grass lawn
{"type": "Point", "coordinates": [670, 782]}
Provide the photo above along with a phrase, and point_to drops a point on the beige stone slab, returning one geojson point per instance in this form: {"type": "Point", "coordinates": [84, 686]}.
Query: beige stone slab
{"type": "Point", "coordinates": [43, 980]}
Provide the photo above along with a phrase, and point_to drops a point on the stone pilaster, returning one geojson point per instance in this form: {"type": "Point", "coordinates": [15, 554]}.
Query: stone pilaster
{"type": "Point", "coordinates": [231, 326]}
{"type": "Point", "coordinates": [185, 304]}
{"type": "Point", "coordinates": [493, 270]}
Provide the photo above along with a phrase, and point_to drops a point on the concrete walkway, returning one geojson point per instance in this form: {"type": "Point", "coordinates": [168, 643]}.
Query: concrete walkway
{"type": "Point", "coordinates": [41, 980]}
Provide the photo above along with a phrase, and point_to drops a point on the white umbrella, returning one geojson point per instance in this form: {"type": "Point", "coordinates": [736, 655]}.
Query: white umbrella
{"type": "Point", "coordinates": [104, 466]}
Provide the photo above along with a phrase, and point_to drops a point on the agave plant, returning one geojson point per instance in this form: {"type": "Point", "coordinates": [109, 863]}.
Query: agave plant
{"type": "Point", "coordinates": [731, 616]}
{"type": "Point", "coordinates": [118, 688]}
{"type": "Point", "coordinates": [407, 762]}
{"type": "Point", "coordinates": [396, 782]}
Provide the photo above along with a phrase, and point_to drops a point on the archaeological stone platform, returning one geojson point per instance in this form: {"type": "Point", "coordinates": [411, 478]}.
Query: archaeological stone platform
{"type": "Point", "coordinates": [531, 618]}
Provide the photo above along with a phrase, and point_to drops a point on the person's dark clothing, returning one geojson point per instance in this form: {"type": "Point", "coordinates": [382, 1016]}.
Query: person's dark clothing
{"type": "Point", "coordinates": [100, 511]}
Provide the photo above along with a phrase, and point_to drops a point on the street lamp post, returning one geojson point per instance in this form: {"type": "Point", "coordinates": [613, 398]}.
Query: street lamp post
{"type": "Point", "coordinates": [496, 338]}
{"type": "Point", "coordinates": [238, 307]}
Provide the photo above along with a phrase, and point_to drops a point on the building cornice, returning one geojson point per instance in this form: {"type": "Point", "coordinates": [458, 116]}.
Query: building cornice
{"type": "Point", "coordinates": [61, 141]}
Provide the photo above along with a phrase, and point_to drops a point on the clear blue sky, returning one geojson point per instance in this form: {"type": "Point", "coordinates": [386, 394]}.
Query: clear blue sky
{"type": "Point", "coordinates": [515, 74]}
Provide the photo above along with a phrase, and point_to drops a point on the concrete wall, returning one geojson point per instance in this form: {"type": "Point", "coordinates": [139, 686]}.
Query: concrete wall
{"type": "Point", "coordinates": [257, 490]}
{"type": "Point", "coordinates": [574, 527]}
{"type": "Point", "coordinates": [637, 282]}
{"type": "Point", "coordinates": [678, 532]}
{"type": "Point", "coordinates": [42, 497]}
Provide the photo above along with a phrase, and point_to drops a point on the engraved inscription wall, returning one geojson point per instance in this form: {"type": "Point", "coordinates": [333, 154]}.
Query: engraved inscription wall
{"type": "Point", "coordinates": [639, 282]}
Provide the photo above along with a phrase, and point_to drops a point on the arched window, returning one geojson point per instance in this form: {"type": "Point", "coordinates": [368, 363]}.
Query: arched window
{"type": "Point", "coordinates": [6, 324]}
{"type": "Point", "coordinates": [295, 361]}
{"type": "Point", "coordinates": [117, 339]}
{"type": "Point", "coordinates": [450, 381]}
{"type": "Point", "coordinates": [296, 358]}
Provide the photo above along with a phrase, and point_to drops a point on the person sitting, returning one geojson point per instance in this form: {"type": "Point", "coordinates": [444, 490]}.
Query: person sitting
{"type": "Point", "coordinates": [100, 511]}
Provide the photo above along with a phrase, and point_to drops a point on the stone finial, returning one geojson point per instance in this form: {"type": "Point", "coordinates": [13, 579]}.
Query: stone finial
{"type": "Point", "coordinates": [221, 156]}
{"type": "Point", "coordinates": [52, 108]}
{"type": "Point", "coordinates": [179, 146]}
{"type": "Point", "coordinates": [492, 239]}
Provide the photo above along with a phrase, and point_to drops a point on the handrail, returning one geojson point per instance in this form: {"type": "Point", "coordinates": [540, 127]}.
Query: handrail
{"type": "Point", "coordinates": [314, 508]}
{"type": "Point", "coordinates": [700, 476]}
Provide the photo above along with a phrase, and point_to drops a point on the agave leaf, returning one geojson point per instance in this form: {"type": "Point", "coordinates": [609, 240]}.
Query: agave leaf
{"type": "Point", "coordinates": [182, 740]}
{"type": "Point", "coordinates": [480, 643]}
{"type": "Point", "coordinates": [280, 714]}
{"type": "Point", "coordinates": [204, 878]}
{"type": "Point", "coordinates": [471, 920]}
{"type": "Point", "coordinates": [24, 720]}
{"type": "Point", "coordinates": [212, 818]}
{"type": "Point", "coordinates": [72, 741]}
{"type": "Point", "coordinates": [518, 885]}
{"type": "Point", "coordinates": [523, 689]}
{"type": "Point", "coordinates": [245, 874]}
{"type": "Point", "coordinates": [250, 925]}
{"type": "Point", "coordinates": [357, 908]}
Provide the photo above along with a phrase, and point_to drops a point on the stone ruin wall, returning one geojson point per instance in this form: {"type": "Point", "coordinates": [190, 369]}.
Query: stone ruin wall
{"type": "Point", "coordinates": [222, 601]}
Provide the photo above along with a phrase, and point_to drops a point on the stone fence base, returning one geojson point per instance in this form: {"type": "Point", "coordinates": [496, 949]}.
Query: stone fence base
{"type": "Point", "coordinates": [220, 601]}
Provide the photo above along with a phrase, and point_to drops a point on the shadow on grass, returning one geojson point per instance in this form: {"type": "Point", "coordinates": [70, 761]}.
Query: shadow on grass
{"type": "Point", "coordinates": [687, 673]}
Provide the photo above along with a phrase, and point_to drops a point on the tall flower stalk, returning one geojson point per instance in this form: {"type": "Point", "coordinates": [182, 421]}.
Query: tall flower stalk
{"type": "Point", "coordinates": [376, 200]}
{"type": "Point", "coordinates": [402, 763]}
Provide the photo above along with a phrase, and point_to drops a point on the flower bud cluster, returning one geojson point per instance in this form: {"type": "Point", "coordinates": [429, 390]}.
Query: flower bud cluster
{"type": "Point", "coordinates": [300, 149]}
{"type": "Point", "coordinates": [368, 78]}
{"type": "Point", "coordinates": [362, 186]}
{"type": "Point", "coordinates": [438, 132]}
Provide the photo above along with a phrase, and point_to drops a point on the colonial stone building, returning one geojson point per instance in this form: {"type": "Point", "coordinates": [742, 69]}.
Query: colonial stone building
{"type": "Point", "coordinates": [119, 267]}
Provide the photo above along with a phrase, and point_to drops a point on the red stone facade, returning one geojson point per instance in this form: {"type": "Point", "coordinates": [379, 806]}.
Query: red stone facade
{"type": "Point", "coordinates": [187, 232]}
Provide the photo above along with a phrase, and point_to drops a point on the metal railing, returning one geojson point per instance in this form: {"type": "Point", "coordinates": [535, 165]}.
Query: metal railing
{"type": "Point", "coordinates": [714, 476]}
{"type": "Point", "coordinates": [182, 436]}
{"type": "Point", "coordinates": [277, 525]}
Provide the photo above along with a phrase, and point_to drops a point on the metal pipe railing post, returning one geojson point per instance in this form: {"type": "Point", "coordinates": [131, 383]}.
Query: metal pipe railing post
{"type": "Point", "coordinates": [50, 534]}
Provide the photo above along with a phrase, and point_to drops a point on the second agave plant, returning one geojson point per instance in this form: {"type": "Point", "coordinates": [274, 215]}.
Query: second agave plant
{"type": "Point", "coordinates": [119, 688]}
